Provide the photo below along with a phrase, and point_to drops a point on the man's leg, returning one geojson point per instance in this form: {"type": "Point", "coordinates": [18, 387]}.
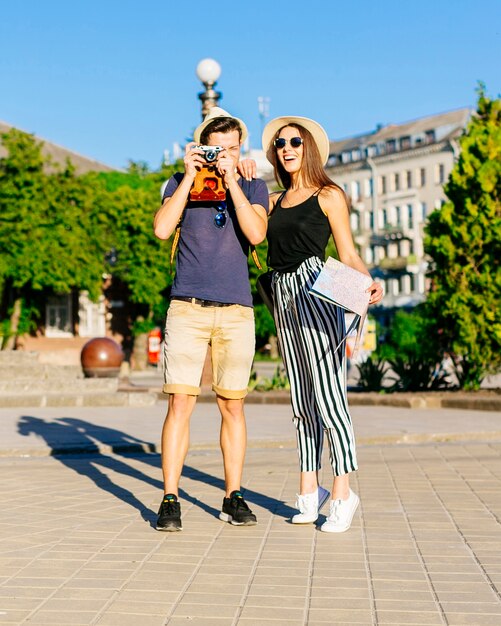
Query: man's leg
{"type": "Point", "coordinates": [235, 509]}
{"type": "Point", "coordinates": [175, 439]}
{"type": "Point", "coordinates": [232, 355]}
{"type": "Point", "coordinates": [233, 439]}
{"type": "Point", "coordinates": [187, 334]}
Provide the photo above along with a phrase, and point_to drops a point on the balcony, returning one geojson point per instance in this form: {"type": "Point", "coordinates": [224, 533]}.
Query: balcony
{"type": "Point", "coordinates": [397, 263]}
{"type": "Point", "coordinates": [387, 235]}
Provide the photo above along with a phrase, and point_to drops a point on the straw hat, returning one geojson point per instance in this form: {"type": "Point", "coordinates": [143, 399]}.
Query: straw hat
{"type": "Point", "coordinates": [317, 132]}
{"type": "Point", "coordinates": [214, 113]}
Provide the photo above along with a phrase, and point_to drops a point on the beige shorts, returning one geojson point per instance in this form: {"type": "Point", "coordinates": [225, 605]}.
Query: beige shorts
{"type": "Point", "coordinates": [189, 329]}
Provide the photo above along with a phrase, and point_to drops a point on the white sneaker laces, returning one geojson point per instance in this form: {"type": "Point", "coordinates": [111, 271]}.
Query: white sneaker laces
{"type": "Point", "coordinates": [333, 514]}
{"type": "Point", "coordinates": [302, 502]}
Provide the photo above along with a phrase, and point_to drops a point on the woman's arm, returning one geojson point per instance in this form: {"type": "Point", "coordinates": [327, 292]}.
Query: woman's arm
{"type": "Point", "coordinates": [333, 204]}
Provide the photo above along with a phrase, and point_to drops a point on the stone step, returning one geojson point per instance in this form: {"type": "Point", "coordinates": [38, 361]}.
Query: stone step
{"type": "Point", "coordinates": [39, 371]}
{"type": "Point", "coordinates": [9, 357]}
{"type": "Point", "coordinates": [54, 385]}
{"type": "Point", "coordinates": [118, 398]}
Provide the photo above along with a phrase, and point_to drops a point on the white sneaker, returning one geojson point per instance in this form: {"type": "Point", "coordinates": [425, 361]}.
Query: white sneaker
{"type": "Point", "coordinates": [340, 515]}
{"type": "Point", "coordinates": [309, 506]}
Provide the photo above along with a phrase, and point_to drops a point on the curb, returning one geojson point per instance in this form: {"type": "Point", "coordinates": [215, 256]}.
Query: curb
{"type": "Point", "coordinates": [153, 448]}
{"type": "Point", "coordinates": [402, 400]}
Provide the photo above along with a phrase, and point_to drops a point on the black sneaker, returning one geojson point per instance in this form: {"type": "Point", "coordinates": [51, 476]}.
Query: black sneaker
{"type": "Point", "coordinates": [236, 511]}
{"type": "Point", "coordinates": [169, 514]}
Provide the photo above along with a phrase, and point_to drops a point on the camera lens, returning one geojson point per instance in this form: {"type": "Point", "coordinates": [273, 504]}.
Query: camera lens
{"type": "Point", "coordinates": [210, 155]}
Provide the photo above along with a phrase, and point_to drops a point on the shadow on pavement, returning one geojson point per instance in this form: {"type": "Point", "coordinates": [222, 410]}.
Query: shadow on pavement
{"type": "Point", "coordinates": [77, 444]}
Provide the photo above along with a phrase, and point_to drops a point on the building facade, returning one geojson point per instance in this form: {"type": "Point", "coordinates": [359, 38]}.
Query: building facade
{"type": "Point", "coordinates": [394, 177]}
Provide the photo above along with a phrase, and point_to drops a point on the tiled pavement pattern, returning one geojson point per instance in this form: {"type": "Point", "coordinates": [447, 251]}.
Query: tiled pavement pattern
{"type": "Point", "coordinates": [78, 547]}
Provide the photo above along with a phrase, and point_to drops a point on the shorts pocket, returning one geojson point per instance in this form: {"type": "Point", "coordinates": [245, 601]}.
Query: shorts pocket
{"type": "Point", "coordinates": [246, 312]}
{"type": "Point", "coordinates": [178, 307]}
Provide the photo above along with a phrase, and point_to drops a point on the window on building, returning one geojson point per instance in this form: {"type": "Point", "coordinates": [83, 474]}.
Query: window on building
{"type": "Point", "coordinates": [91, 315]}
{"type": "Point", "coordinates": [58, 316]}
{"type": "Point", "coordinates": [396, 181]}
{"type": "Point", "coordinates": [332, 160]}
{"type": "Point", "coordinates": [356, 155]}
{"type": "Point", "coordinates": [371, 220]}
{"type": "Point", "coordinates": [412, 283]}
{"type": "Point", "coordinates": [398, 216]}
{"type": "Point", "coordinates": [355, 190]}
{"type": "Point", "coordinates": [408, 179]}
{"type": "Point", "coordinates": [355, 221]}
{"type": "Point", "coordinates": [424, 211]}
{"type": "Point", "coordinates": [405, 143]}
{"type": "Point", "coordinates": [346, 157]}
{"type": "Point", "coordinates": [372, 150]}
{"type": "Point", "coordinates": [410, 216]}
{"type": "Point", "coordinates": [441, 174]}
{"type": "Point", "coordinates": [385, 218]}
{"type": "Point", "coordinates": [422, 177]}
{"type": "Point", "coordinates": [391, 146]}
{"type": "Point", "coordinates": [430, 136]}
{"type": "Point", "coordinates": [383, 184]}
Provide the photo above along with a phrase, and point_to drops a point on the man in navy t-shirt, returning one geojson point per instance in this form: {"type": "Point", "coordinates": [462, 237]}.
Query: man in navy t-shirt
{"type": "Point", "coordinates": [211, 304]}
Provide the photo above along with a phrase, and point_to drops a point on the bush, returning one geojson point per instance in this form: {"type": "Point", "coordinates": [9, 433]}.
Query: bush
{"type": "Point", "coordinates": [278, 381]}
{"type": "Point", "coordinates": [371, 374]}
{"type": "Point", "coordinates": [417, 375]}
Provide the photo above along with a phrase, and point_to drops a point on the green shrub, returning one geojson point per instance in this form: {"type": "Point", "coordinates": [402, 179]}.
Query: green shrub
{"type": "Point", "coordinates": [413, 374]}
{"type": "Point", "coordinates": [371, 374]}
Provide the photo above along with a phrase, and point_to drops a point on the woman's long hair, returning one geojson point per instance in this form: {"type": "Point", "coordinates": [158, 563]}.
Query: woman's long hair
{"type": "Point", "coordinates": [312, 171]}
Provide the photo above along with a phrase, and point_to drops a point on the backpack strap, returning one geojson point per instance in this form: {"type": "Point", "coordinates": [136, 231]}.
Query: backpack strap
{"type": "Point", "coordinates": [255, 258]}
{"type": "Point", "coordinates": [175, 241]}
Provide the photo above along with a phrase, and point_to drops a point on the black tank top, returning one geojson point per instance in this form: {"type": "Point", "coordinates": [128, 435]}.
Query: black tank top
{"type": "Point", "coordinates": [296, 234]}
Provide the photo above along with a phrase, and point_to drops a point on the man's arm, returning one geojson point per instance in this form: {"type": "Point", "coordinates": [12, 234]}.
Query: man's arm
{"type": "Point", "coordinates": [252, 218]}
{"type": "Point", "coordinates": [169, 214]}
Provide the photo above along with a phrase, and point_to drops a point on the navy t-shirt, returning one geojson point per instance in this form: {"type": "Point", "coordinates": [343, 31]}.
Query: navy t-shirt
{"type": "Point", "coordinates": [212, 261]}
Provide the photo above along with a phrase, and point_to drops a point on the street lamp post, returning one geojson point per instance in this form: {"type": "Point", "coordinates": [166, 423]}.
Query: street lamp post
{"type": "Point", "coordinates": [208, 71]}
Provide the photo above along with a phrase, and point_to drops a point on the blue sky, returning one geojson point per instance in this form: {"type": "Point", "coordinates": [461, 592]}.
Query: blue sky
{"type": "Point", "coordinates": [115, 79]}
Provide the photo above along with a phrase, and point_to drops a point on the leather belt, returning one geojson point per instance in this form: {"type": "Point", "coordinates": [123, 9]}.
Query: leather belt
{"type": "Point", "coordinates": [201, 302]}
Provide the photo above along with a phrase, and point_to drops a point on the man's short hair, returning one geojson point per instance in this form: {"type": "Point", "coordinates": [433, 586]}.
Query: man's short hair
{"type": "Point", "coordinates": [220, 125]}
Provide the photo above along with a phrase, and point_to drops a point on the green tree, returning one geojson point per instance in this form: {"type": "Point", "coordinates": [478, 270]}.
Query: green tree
{"type": "Point", "coordinates": [123, 207]}
{"type": "Point", "coordinates": [463, 239]}
{"type": "Point", "coordinates": [46, 240]}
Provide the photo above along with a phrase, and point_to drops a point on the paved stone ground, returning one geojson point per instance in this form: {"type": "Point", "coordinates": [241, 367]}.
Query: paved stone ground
{"type": "Point", "coordinates": [77, 544]}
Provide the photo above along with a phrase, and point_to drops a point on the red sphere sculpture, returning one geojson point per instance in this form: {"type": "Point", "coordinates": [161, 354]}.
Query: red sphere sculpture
{"type": "Point", "coordinates": [101, 357]}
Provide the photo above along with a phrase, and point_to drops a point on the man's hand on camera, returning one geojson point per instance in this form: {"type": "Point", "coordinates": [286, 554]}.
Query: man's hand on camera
{"type": "Point", "coordinates": [193, 160]}
{"type": "Point", "coordinates": [226, 167]}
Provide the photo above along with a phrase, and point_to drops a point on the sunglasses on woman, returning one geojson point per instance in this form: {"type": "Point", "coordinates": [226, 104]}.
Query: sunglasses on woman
{"type": "Point", "coordinates": [281, 142]}
{"type": "Point", "coordinates": [220, 217]}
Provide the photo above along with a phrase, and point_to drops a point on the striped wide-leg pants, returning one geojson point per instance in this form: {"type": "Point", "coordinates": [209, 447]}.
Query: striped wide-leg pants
{"type": "Point", "coordinates": [309, 331]}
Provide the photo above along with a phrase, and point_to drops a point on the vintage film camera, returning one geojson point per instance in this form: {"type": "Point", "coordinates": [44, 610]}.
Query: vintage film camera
{"type": "Point", "coordinates": [208, 183]}
{"type": "Point", "coordinates": [210, 152]}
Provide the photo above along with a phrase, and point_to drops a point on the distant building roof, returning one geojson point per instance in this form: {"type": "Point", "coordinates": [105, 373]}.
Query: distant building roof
{"type": "Point", "coordinates": [445, 125]}
{"type": "Point", "coordinates": [60, 155]}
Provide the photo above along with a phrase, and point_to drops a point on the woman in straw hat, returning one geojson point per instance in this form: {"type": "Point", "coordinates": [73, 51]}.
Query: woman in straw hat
{"type": "Point", "coordinates": [302, 219]}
